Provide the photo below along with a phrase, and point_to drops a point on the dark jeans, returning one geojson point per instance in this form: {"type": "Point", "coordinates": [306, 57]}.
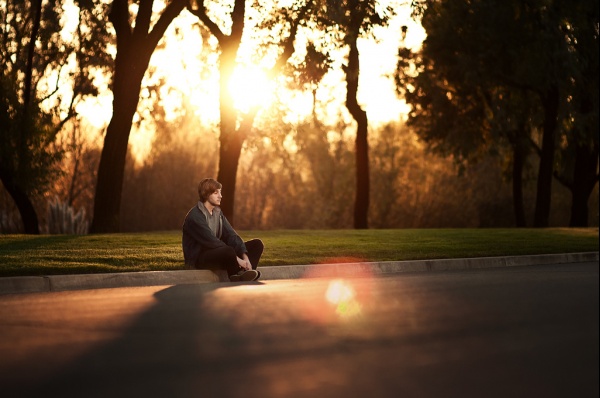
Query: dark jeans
{"type": "Point", "coordinates": [225, 257]}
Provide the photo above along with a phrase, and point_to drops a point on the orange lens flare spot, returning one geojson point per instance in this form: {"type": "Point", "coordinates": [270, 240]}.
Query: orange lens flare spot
{"type": "Point", "coordinates": [342, 295]}
{"type": "Point", "coordinates": [339, 291]}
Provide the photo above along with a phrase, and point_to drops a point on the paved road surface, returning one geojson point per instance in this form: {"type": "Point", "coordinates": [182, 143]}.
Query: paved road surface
{"type": "Point", "coordinates": [510, 332]}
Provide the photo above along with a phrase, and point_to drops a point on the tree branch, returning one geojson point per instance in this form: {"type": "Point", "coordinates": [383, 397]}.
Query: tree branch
{"type": "Point", "coordinates": [30, 53]}
{"type": "Point", "coordinates": [169, 14]}
{"type": "Point", "coordinates": [288, 47]}
{"type": "Point", "coordinates": [142, 20]}
{"type": "Point", "coordinates": [237, 20]}
{"type": "Point", "coordinates": [56, 88]}
{"type": "Point", "coordinates": [119, 17]}
{"type": "Point", "coordinates": [212, 27]}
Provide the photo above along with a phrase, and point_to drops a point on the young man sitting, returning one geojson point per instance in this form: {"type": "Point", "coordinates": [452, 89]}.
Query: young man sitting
{"type": "Point", "coordinates": [209, 241]}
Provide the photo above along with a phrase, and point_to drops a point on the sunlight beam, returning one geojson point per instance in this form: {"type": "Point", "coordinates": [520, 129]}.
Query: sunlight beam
{"type": "Point", "coordinates": [250, 88]}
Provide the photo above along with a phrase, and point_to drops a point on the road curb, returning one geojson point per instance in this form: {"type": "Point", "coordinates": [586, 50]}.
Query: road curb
{"type": "Point", "coordinates": [55, 283]}
{"type": "Point", "coordinates": [390, 267]}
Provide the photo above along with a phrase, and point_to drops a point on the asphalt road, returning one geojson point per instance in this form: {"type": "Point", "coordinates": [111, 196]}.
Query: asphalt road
{"type": "Point", "coordinates": [510, 332]}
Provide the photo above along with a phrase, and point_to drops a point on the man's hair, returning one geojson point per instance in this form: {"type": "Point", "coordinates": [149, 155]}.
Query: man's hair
{"type": "Point", "coordinates": [207, 187]}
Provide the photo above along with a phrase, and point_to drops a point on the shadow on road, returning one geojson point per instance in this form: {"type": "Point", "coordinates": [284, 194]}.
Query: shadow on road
{"type": "Point", "coordinates": [163, 354]}
{"type": "Point", "coordinates": [522, 332]}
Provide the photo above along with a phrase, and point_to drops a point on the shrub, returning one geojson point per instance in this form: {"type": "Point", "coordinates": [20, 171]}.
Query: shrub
{"type": "Point", "coordinates": [62, 219]}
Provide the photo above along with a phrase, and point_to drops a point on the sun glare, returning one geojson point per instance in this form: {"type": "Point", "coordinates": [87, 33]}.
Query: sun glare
{"type": "Point", "coordinates": [188, 75]}
{"type": "Point", "coordinates": [342, 295]}
{"type": "Point", "coordinates": [250, 87]}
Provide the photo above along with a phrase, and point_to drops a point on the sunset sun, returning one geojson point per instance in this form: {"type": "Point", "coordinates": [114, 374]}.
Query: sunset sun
{"type": "Point", "coordinates": [185, 69]}
{"type": "Point", "coordinates": [250, 87]}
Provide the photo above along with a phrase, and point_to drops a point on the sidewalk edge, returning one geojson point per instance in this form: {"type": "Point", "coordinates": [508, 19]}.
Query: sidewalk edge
{"type": "Point", "coordinates": [54, 283]}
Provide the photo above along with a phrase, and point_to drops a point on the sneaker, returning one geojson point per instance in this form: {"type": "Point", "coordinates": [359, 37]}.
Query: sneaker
{"type": "Point", "coordinates": [245, 276]}
{"type": "Point", "coordinates": [250, 275]}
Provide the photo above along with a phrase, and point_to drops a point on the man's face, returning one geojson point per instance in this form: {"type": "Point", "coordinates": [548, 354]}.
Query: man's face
{"type": "Point", "coordinates": [215, 198]}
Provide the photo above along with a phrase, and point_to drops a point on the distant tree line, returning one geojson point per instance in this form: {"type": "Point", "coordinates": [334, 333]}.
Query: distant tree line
{"type": "Point", "coordinates": [503, 96]}
{"type": "Point", "coordinates": [312, 186]}
{"type": "Point", "coordinates": [506, 75]}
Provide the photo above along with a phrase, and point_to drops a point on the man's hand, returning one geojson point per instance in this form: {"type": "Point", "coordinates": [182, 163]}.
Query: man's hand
{"type": "Point", "coordinates": [247, 260]}
{"type": "Point", "coordinates": [244, 263]}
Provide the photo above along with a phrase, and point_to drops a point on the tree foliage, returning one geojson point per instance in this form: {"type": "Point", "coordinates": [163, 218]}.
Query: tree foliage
{"type": "Point", "coordinates": [494, 72]}
{"type": "Point", "coordinates": [341, 24]}
{"type": "Point", "coordinates": [46, 71]}
{"type": "Point", "coordinates": [230, 32]}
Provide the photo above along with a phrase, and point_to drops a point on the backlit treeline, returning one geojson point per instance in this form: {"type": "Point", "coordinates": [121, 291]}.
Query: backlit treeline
{"type": "Point", "coordinates": [302, 178]}
{"type": "Point", "coordinates": [502, 131]}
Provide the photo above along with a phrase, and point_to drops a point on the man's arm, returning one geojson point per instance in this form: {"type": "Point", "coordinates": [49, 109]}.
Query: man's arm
{"type": "Point", "coordinates": [231, 238]}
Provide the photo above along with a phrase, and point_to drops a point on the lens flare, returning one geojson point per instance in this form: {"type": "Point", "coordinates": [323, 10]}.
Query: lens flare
{"type": "Point", "coordinates": [343, 296]}
{"type": "Point", "coordinates": [338, 291]}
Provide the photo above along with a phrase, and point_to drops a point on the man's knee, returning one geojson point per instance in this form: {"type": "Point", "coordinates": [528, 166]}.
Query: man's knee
{"type": "Point", "coordinates": [255, 245]}
{"type": "Point", "coordinates": [255, 249]}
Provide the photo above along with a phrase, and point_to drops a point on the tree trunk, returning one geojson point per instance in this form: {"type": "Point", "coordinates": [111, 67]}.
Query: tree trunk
{"type": "Point", "coordinates": [232, 137]}
{"type": "Point", "coordinates": [24, 205]}
{"type": "Point", "coordinates": [230, 140]}
{"type": "Point", "coordinates": [135, 46]}
{"type": "Point", "coordinates": [519, 156]}
{"type": "Point", "coordinates": [20, 196]}
{"type": "Point", "coordinates": [361, 202]}
{"type": "Point", "coordinates": [550, 104]}
{"type": "Point", "coordinates": [585, 178]}
{"type": "Point", "coordinates": [229, 156]}
{"type": "Point", "coordinates": [585, 172]}
{"type": "Point", "coordinates": [129, 72]}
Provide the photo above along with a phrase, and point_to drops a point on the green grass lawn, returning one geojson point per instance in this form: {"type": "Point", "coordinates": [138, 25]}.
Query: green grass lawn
{"type": "Point", "coordinates": [74, 254]}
